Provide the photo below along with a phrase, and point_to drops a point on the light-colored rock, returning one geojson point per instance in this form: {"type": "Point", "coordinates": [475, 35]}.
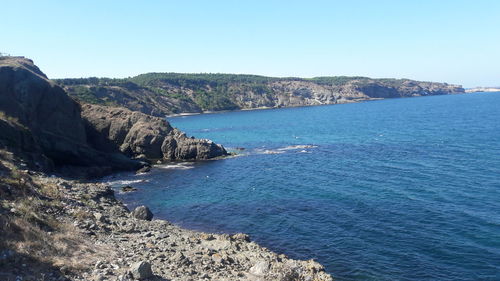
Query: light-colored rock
{"type": "Point", "coordinates": [260, 269]}
{"type": "Point", "coordinates": [141, 270]}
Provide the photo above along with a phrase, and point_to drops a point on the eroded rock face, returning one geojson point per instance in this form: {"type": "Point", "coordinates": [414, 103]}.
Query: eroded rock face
{"type": "Point", "coordinates": [140, 135]}
{"type": "Point", "coordinates": [239, 92]}
{"type": "Point", "coordinates": [47, 128]}
{"type": "Point", "coordinates": [43, 124]}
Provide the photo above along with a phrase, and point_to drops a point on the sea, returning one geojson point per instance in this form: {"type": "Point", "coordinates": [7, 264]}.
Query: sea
{"type": "Point", "coordinates": [394, 189]}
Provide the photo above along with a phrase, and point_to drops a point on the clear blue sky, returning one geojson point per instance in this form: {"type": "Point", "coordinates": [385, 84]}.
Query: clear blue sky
{"type": "Point", "coordinates": [440, 40]}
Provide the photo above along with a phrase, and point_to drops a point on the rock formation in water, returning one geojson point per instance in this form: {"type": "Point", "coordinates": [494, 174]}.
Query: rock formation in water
{"type": "Point", "coordinates": [41, 123]}
{"type": "Point", "coordinates": [163, 94]}
{"type": "Point", "coordinates": [143, 136]}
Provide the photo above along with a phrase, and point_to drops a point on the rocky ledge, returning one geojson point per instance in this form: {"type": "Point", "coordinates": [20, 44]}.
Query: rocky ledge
{"type": "Point", "coordinates": [108, 242]}
{"type": "Point", "coordinates": [143, 136]}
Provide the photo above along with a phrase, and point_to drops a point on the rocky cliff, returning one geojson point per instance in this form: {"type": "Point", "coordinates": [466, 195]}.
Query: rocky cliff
{"type": "Point", "coordinates": [143, 136]}
{"type": "Point", "coordinates": [43, 125]}
{"type": "Point", "coordinates": [163, 94]}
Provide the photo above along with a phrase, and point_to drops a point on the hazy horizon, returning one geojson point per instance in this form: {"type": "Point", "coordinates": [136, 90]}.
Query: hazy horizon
{"type": "Point", "coordinates": [455, 42]}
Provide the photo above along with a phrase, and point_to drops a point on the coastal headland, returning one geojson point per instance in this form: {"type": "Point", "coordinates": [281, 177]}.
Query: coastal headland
{"type": "Point", "coordinates": [166, 94]}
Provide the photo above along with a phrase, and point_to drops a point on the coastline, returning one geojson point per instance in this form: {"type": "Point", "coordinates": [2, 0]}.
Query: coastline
{"type": "Point", "coordinates": [483, 90]}
{"type": "Point", "coordinates": [298, 106]}
{"type": "Point", "coordinates": [270, 108]}
{"type": "Point", "coordinates": [116, 241]}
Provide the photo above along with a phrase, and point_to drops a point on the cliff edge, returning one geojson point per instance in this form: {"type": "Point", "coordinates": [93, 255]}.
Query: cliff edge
{"type": "Point", "coordinates": [45, 127]}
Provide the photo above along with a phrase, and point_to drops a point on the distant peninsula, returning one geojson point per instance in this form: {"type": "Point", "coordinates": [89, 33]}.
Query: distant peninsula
{"type": "Point", "coordinates": [482, 89]}
{"type": "Point", "coordinates": [163, 94]}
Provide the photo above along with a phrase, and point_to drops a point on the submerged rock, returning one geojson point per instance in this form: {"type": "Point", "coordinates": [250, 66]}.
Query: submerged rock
{"type": "Point", "coordinates": [128, 188]}
{"type": "Point", "coordinates": [145, 169]}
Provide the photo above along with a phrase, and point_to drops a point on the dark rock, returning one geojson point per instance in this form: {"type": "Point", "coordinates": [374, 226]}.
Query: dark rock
{"type": "Point", "coordinates": [145, 169]}
{"type": "Point", "coordinates": [141, 270]}
{"type": "Point", "coordinates": [43, 125]}
{"type": "Point", "coordinates": [142, 213]}
{"type": "Point", "coordinates": [47, 129]}
{"type": "Point", "coordinates": [128, 188]}
{"type": "Point", "coordinates": [139, 135]}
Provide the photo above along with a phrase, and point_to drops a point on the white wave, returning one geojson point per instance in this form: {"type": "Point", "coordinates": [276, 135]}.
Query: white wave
{"type": "Point", "coordinates": [237, 155]}
{"type": "Point", "coordinates": [268, 151]}
{"type": "Point", "coordinates": [295, 147]}
{"type": "Point", "coordinates": [125, 182]}
{"type": "Point", "coordinates": [177, 166]}
{"type": "Point", "coordinates": [272, 152]}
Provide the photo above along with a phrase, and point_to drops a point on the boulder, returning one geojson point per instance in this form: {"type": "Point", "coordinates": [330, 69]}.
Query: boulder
{"type": "Point", "coordinates": [241, 237]}
{"type": "Point", "coordinates": [260, 269]}
{"type": "Point", "coordinates": [142, 213]}
{"type": "Point", "coordinates": [141, 270]}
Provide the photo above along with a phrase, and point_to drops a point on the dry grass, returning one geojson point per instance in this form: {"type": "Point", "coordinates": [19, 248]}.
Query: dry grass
{"type": "Point", "coordinates": [62, 247]}
{"type": "Point", "coordinates": [29, 228]}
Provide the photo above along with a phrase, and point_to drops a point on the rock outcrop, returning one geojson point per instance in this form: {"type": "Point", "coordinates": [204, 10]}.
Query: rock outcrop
{"type": "Point", "coordinates": [43, 125]}
{"type": "Point", "coordinates": [143, 136]}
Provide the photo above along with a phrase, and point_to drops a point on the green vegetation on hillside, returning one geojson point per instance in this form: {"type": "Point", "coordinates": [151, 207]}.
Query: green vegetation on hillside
{"type": "Point", "coordinates": [215, 91]}
{"type": "Point", "coordinates": [85, 94]}
{"type": "Point", "coordinates": [199, 80]}
{"type": "Point", "coordinates": [337, 80]}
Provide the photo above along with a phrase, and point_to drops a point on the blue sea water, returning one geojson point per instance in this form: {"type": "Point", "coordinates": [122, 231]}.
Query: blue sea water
{"type": "Point", "coordinates": [396, 189]}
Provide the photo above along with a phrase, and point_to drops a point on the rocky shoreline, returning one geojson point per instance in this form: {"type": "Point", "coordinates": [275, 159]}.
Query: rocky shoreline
{"type": "Point", "coordinates": [52, 132]}
{"type": "Point", "coordinates": [123, 245]}
{"type": "Point", "coordinates": [55, 228]}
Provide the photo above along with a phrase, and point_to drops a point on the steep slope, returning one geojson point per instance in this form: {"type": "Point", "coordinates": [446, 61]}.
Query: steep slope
{"type": "Point", "coordinates": [44, 126]}
{"type": "Point", "coordinates": [41, 123]}
{"type": "Point", "coordinates": [163, 94]}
